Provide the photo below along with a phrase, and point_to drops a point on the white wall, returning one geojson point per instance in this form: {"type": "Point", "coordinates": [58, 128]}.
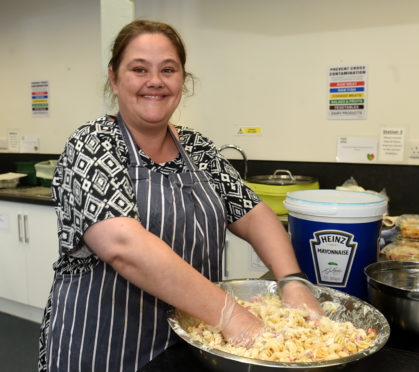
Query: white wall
{"type": "Point", "coordinates": [58, 41]}
{"type": "Point", "coordinates": [258, 63]}
{"type": "Point", "coordinates": [265, 64]}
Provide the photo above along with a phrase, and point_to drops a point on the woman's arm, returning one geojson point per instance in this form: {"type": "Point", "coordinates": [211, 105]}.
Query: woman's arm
{"type": "Point", "coordinates": [263, 230]}
{"type": "Point", "coordinates": [150, 264]}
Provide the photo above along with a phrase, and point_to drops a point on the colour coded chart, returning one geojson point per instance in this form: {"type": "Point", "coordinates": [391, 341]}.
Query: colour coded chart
{"type": "Point", "coordinates": [347, 92]}
{"type": "Point", "coordinates": [40, 98]}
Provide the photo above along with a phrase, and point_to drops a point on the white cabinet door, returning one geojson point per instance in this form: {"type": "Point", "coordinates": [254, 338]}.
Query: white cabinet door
{"type": "Point", "coordinates": [240, 259]}
{"type": "Point", "coordinates": [28, 248]}
{"type": "Point", "coordinates": [41, 252]}
{"type": "Point", "coordinates": [12, 253]}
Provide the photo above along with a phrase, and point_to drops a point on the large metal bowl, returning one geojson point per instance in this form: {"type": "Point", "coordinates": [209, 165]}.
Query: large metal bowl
{"type": "Point", "coordinates": [393, 287]}
{"type": "Point", "coordinates": [349, 308]}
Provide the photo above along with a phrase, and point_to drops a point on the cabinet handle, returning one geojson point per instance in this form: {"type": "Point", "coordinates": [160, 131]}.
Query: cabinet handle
{"type": "Point", "coordinates": [26, 228]}
{"type": "Point", "coordinates": [19, 228]}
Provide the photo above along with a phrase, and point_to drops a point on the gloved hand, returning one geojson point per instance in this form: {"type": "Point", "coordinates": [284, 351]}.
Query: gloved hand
{"type": "Point", "coordinates": [296, 292]}
{"type": "Point", "coordinates": [238, 325]}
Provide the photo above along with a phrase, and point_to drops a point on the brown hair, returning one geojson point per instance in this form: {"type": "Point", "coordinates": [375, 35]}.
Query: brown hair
{"type": "Point", "coordinates": [136, 28]}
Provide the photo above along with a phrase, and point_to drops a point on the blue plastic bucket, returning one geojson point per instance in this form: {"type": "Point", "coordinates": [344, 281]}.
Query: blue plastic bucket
{"type": "Point", "coordinates": [335, 234]}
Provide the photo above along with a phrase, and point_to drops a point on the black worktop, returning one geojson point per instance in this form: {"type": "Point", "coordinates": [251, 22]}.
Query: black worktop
{"type": "Point", "coordinates": [370, 176]}
{"type": "Point", "coordinates": [28, 194]}
{"type": "Point", "coordinates": [180, 357]}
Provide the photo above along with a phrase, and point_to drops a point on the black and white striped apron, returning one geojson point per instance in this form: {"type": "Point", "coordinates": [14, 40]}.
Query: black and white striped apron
{"type": "Point", "coordinates": [101, 322]}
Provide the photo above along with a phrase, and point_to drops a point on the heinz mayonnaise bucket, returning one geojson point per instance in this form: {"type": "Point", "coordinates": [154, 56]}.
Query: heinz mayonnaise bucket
{"type": "Point", "coordinates": [335, 234]}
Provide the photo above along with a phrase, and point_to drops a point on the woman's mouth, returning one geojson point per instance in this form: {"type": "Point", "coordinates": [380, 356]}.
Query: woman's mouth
{"type": "Point", "coordinates": [153, 96]}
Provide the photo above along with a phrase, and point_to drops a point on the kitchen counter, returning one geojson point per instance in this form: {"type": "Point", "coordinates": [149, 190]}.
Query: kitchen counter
{"type": "Point", "coordinates": [180, 357]}
{"type": "Point", "coordinates": [33, 195]}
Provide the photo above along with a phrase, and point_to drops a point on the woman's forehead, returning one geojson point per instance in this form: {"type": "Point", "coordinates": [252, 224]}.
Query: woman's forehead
{"type": "Point", "coordinates": [155, 44]}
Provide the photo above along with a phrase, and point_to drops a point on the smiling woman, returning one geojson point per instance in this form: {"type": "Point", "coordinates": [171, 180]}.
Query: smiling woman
{"type": "Point", "coordinates": [143, 208]}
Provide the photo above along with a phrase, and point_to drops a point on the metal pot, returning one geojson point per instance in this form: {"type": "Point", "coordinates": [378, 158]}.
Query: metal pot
{"type": "Point", "coordinates": [360, 313]}
{"type": "Point", "coordinates": [282, 177]}
{"type": "Point", "coordinates": [393, 287]}
{"type": "Point", "coordinates": [273, 188]}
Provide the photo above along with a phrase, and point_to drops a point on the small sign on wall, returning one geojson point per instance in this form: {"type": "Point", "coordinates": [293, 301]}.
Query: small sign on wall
{"type": "Point", "coordinates": [347, 92]}
{"type": "Point", "coordinates": [392, 144]}
{"type": "Point", "coordinates": [249, 131]}
{"type": "Point", "coordinates": [356, 150]}
{"type": "Point", "coordinates": [13, 140]}
{"type": "Point", "coordinates": [40, 98]}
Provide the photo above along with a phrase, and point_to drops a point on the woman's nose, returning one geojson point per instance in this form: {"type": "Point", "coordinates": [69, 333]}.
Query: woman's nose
{"type": "Point", "coordinates": [155, 80]}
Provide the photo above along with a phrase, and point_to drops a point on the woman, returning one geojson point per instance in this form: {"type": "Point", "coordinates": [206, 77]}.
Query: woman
{"type": "Point", "coordinates": [142, 207]}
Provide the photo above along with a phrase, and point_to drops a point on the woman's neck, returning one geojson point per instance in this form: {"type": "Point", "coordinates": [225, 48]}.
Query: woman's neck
{"type": "Point", "coordinates": [158, 144]}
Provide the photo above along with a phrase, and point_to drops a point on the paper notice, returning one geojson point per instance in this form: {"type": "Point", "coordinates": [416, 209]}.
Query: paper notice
{"type": "Point", "coordinates": [356, 150]}
{"type": "Point", "coordinates": [29, 144]}
{"type": "Point", "coordinates": [13, 141]}
{"type": "Point", "coordinates": [392, 144]}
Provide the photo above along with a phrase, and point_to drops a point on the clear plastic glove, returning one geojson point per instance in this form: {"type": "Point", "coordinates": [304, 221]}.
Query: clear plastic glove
{"type": "Point", "coordinates": [300, 293]}
{"type": "Point", "coordinates": [238, 325]}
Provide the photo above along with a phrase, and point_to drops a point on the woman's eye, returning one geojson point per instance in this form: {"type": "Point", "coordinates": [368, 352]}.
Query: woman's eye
{"type": "Point", "coordinates": [168, 70]}
{"type": "Point", "coordinates": [139, 69]}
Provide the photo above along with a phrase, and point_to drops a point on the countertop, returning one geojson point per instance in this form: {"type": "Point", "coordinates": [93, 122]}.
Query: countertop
{"type": "Point", "coordinates": [31, 194]}
{"type": "Point", "coordinates": [180, 357]}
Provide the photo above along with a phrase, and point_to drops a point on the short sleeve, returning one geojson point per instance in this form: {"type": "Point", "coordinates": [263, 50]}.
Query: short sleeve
{"type": "Point", "coordinates": [238, 198]}
{"type": "Point", "coordinates": [91, 182]}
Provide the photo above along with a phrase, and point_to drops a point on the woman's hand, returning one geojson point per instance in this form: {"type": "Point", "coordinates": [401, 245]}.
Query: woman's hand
{"type": "Point", "coordinates": [238, 325]}
{"type": "Point", "coordinates": [297, 293]}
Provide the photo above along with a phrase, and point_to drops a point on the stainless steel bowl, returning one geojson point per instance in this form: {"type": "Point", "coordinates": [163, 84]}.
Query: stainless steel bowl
{"type": "Point", "coordinates": [349, 308]}
{"type": "Point", "coordinates": [393, 287]}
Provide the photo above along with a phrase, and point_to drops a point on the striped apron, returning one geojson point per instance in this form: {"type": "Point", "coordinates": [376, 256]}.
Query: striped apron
{"type": "Point", "coordinates": [101, 322]}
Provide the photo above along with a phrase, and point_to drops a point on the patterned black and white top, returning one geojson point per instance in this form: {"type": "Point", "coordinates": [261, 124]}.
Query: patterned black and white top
{"type": "Point", "coordinates": [92, 184]}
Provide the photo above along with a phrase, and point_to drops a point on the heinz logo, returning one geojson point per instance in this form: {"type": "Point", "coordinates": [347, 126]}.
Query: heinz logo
{"type": "Point", "coordinates": [333, 252]}
{"type": "Point", "coordinates": [333, 238]}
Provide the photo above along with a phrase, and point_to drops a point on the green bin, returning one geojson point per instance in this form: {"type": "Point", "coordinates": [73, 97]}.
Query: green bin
{"type": "Point", "coordinates": [27, 167]}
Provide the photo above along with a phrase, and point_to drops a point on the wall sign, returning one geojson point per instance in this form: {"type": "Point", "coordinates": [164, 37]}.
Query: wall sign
{"type": "Point", "coordinates": [356, 150]}
{"type": "Point", "coordinates": [392, 144]}
{"type": "Point", "coordinates": [40, 98]}
{"type": "Point", "coordinates": [246, 131]}
{"type": "Point", "coordinates": [347, 92]}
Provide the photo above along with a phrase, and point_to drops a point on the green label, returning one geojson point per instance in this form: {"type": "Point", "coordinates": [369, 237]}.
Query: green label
{"type": "Point", "coordinates": [345, 101]}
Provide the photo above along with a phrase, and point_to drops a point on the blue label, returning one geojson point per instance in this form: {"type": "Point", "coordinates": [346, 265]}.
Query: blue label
{"type": "Point", "coordinates": [335, 254]}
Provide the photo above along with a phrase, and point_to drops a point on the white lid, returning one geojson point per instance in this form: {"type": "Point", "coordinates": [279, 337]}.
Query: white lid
{"type": "Point", "coordinates": [336, 203]}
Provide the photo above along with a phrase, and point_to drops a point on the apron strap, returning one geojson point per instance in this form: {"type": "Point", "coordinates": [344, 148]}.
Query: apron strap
{"type": "Point", "coordinates": [134, 156]}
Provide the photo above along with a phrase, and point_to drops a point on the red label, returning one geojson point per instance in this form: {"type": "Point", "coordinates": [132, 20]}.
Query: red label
{"type": "Point", "coordinates": [348, 84]}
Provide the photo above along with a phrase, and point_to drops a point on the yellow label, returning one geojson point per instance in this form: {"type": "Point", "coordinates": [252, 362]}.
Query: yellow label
{"type": "Point", "coordinates": [249, 130]}
{"type": "Point", "coordinates": [347, 95]}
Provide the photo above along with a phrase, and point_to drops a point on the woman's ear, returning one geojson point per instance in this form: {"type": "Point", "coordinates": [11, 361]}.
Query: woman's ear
{"type": "Point", "coordinates": [112, 79]}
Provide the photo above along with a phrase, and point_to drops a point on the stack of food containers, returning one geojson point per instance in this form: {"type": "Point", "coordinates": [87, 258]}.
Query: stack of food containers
{"type": "Point", "coordinates": [405, 245]}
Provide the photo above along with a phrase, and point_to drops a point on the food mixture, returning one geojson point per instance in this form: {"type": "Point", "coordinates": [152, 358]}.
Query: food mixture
{"type": "Point", "coordinates": [290, 335]}
{"type": "Point", "coordinates": [402, 250]}
{"type": "Point", "coordinates": [405, 247]}
{"type": "Point", "coordinates": [408, 225]}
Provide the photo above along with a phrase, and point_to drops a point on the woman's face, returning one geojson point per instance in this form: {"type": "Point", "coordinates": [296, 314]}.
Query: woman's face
{"type": "Point", "coordinates": [149, 81]}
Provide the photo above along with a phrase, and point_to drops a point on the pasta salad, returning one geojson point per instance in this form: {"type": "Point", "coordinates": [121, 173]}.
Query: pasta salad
{"type": "Point", "coordinates": [290, 336]}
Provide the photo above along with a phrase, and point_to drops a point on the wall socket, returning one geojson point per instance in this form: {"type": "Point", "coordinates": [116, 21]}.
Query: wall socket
{"type": "Point", "coordinates": [412, 151]}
